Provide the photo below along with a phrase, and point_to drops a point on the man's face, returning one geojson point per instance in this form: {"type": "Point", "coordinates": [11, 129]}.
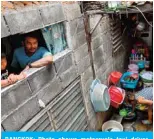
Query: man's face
{"type": "Point", "coordinates": [3, 63]}
{"type": "Point", "coordinates": [31, 44]}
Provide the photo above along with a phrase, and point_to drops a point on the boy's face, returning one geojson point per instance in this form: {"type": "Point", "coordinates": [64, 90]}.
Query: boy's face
{"type": "Point", "coordinates": [3, 63]}
{"type": "Point", "coordinates": [31, 44]}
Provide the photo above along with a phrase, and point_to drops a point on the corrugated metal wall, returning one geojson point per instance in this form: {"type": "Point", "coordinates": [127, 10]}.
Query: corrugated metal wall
{"type": "Point", "coordinates": [65, 113]}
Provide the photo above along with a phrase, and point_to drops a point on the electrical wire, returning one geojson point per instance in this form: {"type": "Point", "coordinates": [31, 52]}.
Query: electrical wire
{"type": "Point", "coordinates": [142, 15]}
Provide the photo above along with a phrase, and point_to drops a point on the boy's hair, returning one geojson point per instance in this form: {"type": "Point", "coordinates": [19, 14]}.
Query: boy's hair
{"type": "Point", "coordinates": [31, 34]}
{"type": "Point", "coordinates": [3, 55]}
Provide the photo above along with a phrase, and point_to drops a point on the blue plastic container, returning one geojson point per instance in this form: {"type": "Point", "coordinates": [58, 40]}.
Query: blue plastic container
{"type": "Point", "coordinates": [99, 95]}
{"type": "Point", "coordinates": [141, 64]}
{"type": "Point", "coordinates": [127, 84]}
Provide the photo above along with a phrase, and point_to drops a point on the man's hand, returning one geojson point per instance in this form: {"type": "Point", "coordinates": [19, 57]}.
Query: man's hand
{"type": "Point", "coordinates": [21, 76]}
{"type": "Point", "coordinates": [12, 79]}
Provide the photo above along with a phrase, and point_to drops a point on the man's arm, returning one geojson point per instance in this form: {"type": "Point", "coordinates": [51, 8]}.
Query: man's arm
{"type": "Point", "coordinates": [42, 62]}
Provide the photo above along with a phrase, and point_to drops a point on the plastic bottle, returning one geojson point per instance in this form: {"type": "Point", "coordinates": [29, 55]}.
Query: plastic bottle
{"type": "Point", "coordinates": [136, 56]}
{"type": "Point", "coordinates": [141, 56]}
{"type": "Point", "coordinates": [133, 54]}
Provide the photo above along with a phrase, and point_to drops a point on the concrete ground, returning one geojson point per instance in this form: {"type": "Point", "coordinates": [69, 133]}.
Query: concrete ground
{"type": "Point", "coordinates": [141, 127]}
{"type": "Point", "coordinates": [138, 126]}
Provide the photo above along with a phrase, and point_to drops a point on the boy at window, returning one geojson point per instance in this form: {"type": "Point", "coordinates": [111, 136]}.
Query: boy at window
{"type": "Point", "coordinates": [7, 79]}
{"type": "Point", "coordinates": [31, 56]}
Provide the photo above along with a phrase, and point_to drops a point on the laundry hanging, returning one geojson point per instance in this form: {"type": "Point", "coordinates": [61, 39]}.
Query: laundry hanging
{"type": "Point", "coordinates": [54, 37]}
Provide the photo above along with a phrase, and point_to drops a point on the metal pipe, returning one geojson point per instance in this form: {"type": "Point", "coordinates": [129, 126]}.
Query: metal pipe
{"type": "Point", "coordinates": [88, 38]}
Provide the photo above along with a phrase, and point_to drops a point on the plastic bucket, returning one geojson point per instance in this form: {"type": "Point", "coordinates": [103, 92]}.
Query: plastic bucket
{"type": "Point", "coordinates": [128, 84]}
{"type": "Point", "coordinates": [100, 97]}
{"type": "Point", "coordinates": [141, 64]}
{"type": "Point", "coordinates": [114, 77]}
{"type": "Point", "coordinates": [112, 126]}
{"type": "Point", "coordinates": [133, 68]}
{"type": "Point", "coordinates": [117, 96]}
{"type": "Point", "coordinates": [147, 64]}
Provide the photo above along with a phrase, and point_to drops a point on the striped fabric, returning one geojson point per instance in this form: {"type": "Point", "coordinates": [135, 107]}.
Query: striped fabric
{"type": "Point", "coordinates": [147, 93]}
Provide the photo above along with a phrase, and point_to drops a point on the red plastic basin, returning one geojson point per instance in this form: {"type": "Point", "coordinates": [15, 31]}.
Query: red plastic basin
{"type": "Point", "coordinates": [115, 94]}
{"type": "Point", "coordinates": [115, 77]}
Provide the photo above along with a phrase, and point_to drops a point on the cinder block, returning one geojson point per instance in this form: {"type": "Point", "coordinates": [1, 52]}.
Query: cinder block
{"type": "Point", "coordinates": [105, 42]}
{"type": "Point", "coordinates": [71, 34]}
{"type": "Point", "coordinates": [80, 53]}
{"type": "Point", "coordinates": [98, 54]}
{"type": "Point", "coordinates": [81, 38]}
{"type": "Point", "coordinates": [109, 61]}
{"type": "Point", "coordinates": [64, 63]}
{"type": "Point", "coordinates": [76, 26]}
{"type": "Point", "coordinates": [68, 76]}
{"type": "Point", "coordinates": [104, 79]}
{"type": "Point", "coordinates": [100, 72]}
{"type": "Point", "coordinates": [93, 21]}
{"type": "Point", "coordinates": [97, 65]}
{"type": "Point", "coordinates": [83, 64]}
{"type": "Point", "coordinates": [86, 74]}
{"type": "Point", "coordinates": [52, 14]}
{"type": "Point", "coordinates": [97, 32]}
{"type": "Point", "coordinates": [102, 25]}
{"type": "Point", "coordinates": [72, 11]}
{"type": "Point", "coordinates": [86, 85]}
{"type": "Point", "coordinates": [74, 44]}
{"type": "Point", "coordinates": [106, 24]}
{"type": "Point", "coordinates": [75, 33]}
{"type": "Point", "coordinates": [24, 21]}
{"type": "Point", "coordinates": [98, 58]}
{"type": "Point", "coordinates": [42, 77]}
{"type": "Point", "coordinates": [108, 71]}
{"type": "Point", "coordinates": [14, 96]}
{"type": "Point", "coordinates": [4, 29]}
{"type": "Point", "coordinates": [21, 116]}
{"type": "Point", "coordinates": [80, 25]}
{"type": "Point", "coordinates": [47, 93]}
{"type": "Point", "coordinates": [96, 42]}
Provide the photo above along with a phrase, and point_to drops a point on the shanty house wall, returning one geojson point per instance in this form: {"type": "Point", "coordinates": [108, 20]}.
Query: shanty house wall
{"type": "Point", "coordinates": [71, 70]}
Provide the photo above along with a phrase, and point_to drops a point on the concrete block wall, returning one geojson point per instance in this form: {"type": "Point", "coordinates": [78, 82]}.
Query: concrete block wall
{"type": "Point", "coordinates": [77, 38]}
{"type": "Point", "coordinates": [48, 81]}
{"type": "Point", "coordinates": [104, 61]}
{"type": "Point", "coordinates": [30, 19]}
{"type": "Point", "coordinates": [4, 29]}
{"type": "Point", "coordinates": [20, 102]}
